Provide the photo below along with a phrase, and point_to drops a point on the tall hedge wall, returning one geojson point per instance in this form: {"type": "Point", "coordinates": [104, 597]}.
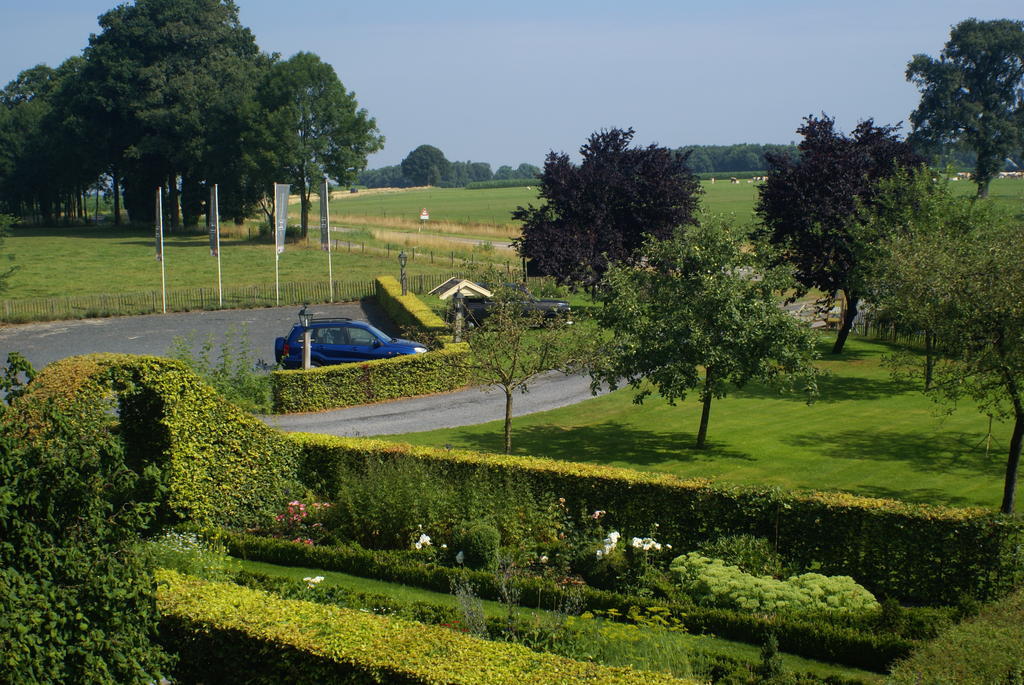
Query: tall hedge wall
{"type": "Point", "coordinates": [408, 311]}
{"type": "Point", "coordinates": [916, 553]}
{"type": "Point", "coordinates": [226, 633]}
{"type": "Point", "coordinates": [346, 385]}
{"type": "Point", "coordinates": [222, 465]}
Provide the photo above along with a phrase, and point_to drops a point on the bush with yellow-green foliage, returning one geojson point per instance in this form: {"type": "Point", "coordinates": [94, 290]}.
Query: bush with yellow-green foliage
{"type": "Point", "coordinates": [226, 633]}
{"type": "Point", "coordinates": [711, 582]}
{"type": "Point", "coordinates": [407, 311]}
{"type": "Point", "coordinates": [221, 465]}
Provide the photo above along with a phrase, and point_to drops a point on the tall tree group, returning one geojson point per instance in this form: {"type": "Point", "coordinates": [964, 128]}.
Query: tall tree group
{"type": "Point", "coordinates": [174, 94]}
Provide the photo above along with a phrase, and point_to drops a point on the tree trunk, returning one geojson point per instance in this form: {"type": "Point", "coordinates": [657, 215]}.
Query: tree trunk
{"type": "Point", "coordinates": [116, 183]}
{"type": "Point", "coordinates": [844, 329]}
{"type": "Point", "coordinates": [929, 359]}
{"type": "Point", "coordinates": [1013, 460]}
{"type": "Point", "coordinates": [705, 414]}
{"type": "Point", "coordinates": [304, 202]}
{"type": "Point", "coordinates": [508, 422]}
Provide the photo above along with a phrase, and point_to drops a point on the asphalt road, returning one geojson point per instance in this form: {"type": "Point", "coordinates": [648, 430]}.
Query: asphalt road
{"type": "Point", "coordinates": [448, 410]}
{"type": "Point", "coordinates": [42, 343]}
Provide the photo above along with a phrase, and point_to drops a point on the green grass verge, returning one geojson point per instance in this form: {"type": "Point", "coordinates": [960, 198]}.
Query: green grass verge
{"type": "Point", "coordinates": [866, 434]}
{"type": "Point", "coordinates": [405, 593]}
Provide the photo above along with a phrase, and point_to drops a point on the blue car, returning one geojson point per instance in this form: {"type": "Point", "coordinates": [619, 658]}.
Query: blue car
{"type": "Point", "coordinates": [341, 341]}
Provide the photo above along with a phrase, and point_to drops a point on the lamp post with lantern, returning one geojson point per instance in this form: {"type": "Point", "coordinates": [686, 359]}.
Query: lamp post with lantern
{"type": "Point", "coordinates": [402, 260]}
{"type": "Point", "coordinates": [304, 319]}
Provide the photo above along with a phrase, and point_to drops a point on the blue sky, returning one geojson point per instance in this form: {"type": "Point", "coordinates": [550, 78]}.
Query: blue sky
{"type": "Point", "coordinates": [507, 82]}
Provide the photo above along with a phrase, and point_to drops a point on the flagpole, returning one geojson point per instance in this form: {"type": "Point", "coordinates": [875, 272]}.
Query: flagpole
{"type": "Point", "coordinates": [277, 252]}
{"type": "Point", "coordinates": [325, 213]}
{"type": "Point", "coordinates": [215, 240]}
{"type": "Point", "coordinates": [160, 248]}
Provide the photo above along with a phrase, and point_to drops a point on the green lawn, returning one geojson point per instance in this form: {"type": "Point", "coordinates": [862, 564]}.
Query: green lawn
{"type": "Point", "coordinates": [866, 434]}
{"type": "Point", "coordinates": [494, 205]}
{"type": "Point", "coordinates": [107, 260]}
{"type": "Point", "coordinates": [405, 593]}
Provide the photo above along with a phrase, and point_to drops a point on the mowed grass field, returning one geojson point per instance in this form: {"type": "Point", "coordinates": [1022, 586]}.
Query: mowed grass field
{"type": "Point", "coordinates": [866, 434]}
{"type": "Point", "coordinates": [62, 261]}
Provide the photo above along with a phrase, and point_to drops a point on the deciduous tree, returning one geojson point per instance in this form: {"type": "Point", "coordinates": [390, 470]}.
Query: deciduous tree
{"type": "Point", "coordinates": [510, 348]}
{"type": "Point", "coordinates": [598, 212]}
{"type": "Point", "coordinates": [314, 126]}
{"type": "Point", "coordinates": [974, 93]}
{"type": "Point", "coordinates": [700, 314]}
{"type": "Point", "coordinates": [811, 205]}
{"type": "Point", "coordinates": [425, 166]}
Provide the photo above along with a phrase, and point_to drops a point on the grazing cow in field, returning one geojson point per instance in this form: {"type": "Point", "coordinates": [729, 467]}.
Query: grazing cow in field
{"type": "Point", "coordinates": [734, 180]}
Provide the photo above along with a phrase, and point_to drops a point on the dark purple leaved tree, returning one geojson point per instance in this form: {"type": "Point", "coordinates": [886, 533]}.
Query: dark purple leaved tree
{"type": "Point", "coordinates": [812, 205]}
{"type": "Point", "coordinates": [597, 212]}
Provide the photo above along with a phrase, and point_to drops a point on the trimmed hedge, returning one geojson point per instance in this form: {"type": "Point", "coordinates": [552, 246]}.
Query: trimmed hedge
{"type": "Point", "coordinates": [918, 554]}
{"type": "Point", "coordinates": [346, 385]}
{"type": "Point", "coordinates": [226, 633]}
{"type": "Point", "coordinates": [852, 640]}
{"type": "Point", "coordinates": [221, 465]}
{"type": "Point", "coordinates": [408, 311]}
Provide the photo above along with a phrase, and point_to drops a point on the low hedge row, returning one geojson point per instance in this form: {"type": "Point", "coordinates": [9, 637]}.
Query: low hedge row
{"type": "Point", "coordinates": [222, 466]}
{"type": "Point", "coordinates": [928, 555]}
{"type": "Point", "coordinates": [346, 385]}
{"type": "Point", "coordinates": [815, 636]}
{"type": "Point", "coordinates": [986, 649]}
{"type": "Point", "coordinates": [703, 663]}
{"type": "Point", "coordinates": [408, 311]}
{"type": "Point", "coordinates": [226, 633]}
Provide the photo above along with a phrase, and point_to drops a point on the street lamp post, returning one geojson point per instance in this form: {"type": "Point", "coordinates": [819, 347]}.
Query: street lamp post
{"type": "Point", "coordinates": [304, 320]}
{"type": "Point", "coordinates": [402, 260]}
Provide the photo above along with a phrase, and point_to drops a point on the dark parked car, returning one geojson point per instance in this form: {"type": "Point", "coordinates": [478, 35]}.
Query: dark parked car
{"type": "Point", "coordinates": [479, 308]}
{"type": "Point", "coordinates": [339, 341]}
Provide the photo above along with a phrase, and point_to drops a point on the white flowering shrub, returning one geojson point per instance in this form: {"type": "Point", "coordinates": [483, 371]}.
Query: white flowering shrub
{"type": "Point", "coordinates": [711, 582]}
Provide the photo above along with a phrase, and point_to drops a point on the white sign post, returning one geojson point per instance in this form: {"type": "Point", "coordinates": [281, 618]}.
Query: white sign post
{"type": "Point", "coordinates": [160, 247]}
{"type": "Point", "coordinates": [213, 215]}
{"type": "Point", "coordinates": [280, 230]}
{"type": "Point", "coordinates": [424, 218]}
{"type": "Point", "coordinates": [325, 230]}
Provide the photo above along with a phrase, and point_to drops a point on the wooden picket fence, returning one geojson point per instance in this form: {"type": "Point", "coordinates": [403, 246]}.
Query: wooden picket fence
{"type": "Point", "coordinates": [192, 299]}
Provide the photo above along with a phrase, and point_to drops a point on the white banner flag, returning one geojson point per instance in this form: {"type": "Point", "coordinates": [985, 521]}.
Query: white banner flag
{"type": "Point", "coordinates": [213, 216]}
{"type": "Point", "coordinates": [325, 220]}
{"type": "Point", "coordinates": [281, 191]}
{"type": "Point", "coordinates": [159, 227]}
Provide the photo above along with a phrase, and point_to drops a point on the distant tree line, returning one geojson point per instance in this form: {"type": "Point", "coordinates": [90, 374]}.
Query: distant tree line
{"type": "Point", "coordinates": [177, 96]}
{"type": "Point", "coordinates": [427, 166]}
{"type": "Point", "coordinates": [706, 159]}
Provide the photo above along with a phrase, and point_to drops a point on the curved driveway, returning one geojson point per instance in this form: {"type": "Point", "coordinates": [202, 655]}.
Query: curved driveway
{"type": "Point", "coordinates": [42, 343]}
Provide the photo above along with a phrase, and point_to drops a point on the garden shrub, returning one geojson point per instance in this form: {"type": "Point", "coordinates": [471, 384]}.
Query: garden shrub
{"type": "Point", "coordinates": [915, 553]}
{"type": "Point", "coordinates": [479, 543]}
{"type": "Point", "coordinates": [227, 633]}
{"type": "Point", "coordinates": [854, 638]}
{"type": "Point", "coordinates": [710, 582]}
{"type": "Point", "coordinates": [752, 555]}
{"type": "Point", "coordinates": [76, 601]}
{"type": "Point", "coordinates": [221, 465]}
